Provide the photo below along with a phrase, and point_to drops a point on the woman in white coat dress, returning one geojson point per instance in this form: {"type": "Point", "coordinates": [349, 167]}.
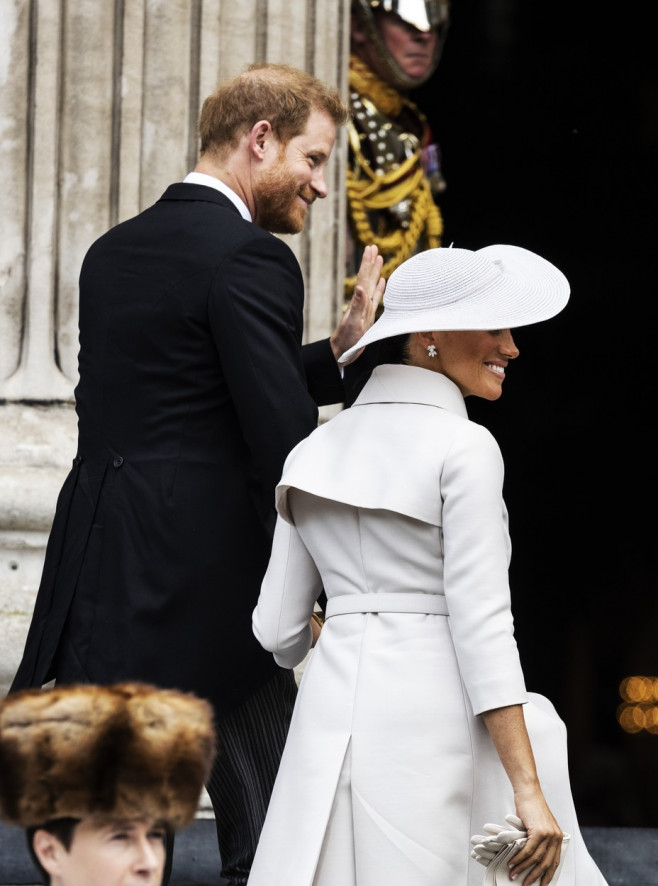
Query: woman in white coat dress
{"type": "Point", "coordinates": [412, 726]}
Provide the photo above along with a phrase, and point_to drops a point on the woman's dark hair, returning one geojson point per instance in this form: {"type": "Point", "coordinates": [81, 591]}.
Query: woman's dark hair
{"type": "Point", "coordinates": [387, 350]}
{"type": "Point", "coordinates": [62, 828]}
{"type": "Point", "coordinates": [393, 349]}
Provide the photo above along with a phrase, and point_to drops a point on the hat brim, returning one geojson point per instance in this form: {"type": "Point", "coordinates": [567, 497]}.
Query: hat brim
{"type": "Point", "coordinates": [445, 289]}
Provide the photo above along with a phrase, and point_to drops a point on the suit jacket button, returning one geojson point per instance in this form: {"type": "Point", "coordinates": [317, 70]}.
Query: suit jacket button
{"type": "Point", "coordinates": [118, 461]}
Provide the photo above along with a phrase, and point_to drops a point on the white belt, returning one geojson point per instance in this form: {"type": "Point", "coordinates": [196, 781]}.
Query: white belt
{"type": "Point", "coordinates": [346, 604]}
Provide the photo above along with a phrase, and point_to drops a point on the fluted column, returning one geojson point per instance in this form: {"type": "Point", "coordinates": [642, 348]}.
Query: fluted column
{"type": "Point", "coordinates": [98, 109]}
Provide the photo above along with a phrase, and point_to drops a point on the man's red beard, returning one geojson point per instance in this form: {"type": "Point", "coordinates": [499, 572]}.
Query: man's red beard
{"type": "Point", "coordinates": [276, 200]}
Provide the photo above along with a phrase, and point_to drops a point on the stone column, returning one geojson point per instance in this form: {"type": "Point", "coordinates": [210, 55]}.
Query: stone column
{"type": "Point", "coordinates": [98, 111]}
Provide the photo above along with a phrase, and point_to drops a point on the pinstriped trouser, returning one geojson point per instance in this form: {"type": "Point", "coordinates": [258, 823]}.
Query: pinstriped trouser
{"type": "Point", "coordinates": [251, 741]}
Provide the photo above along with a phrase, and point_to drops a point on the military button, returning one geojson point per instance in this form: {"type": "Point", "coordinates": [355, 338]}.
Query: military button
{"type": "Point", "coordinates": [118, 461]}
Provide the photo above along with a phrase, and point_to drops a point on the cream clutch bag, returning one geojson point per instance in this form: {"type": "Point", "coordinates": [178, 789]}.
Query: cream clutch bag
{"type": "Point", "coordinates": [497, 872]}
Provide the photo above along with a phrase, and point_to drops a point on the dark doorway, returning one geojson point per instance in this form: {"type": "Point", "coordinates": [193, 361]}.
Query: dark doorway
{"type": "Point", "coordinates": [547, 116]}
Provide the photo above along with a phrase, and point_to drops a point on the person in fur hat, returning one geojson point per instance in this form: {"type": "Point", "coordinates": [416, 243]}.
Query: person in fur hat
{"type": "Point", "coordinates": [99, 776]}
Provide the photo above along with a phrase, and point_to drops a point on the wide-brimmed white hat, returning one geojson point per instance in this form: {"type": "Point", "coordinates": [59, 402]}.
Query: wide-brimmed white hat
{"type": "Point", "coordinates": [497, 287]}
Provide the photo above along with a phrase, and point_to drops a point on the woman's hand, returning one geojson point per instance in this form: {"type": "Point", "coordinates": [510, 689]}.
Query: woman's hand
{"type": "Point", "coordinates": [508, 732]}
{"type": "Point", "coordinates": [544, 844]}
{"type": "Point", "coordinates": [316, 628]}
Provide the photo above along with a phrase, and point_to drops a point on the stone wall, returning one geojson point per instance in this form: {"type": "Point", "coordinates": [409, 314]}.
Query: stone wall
{"type": "Point", "coordinates": [98, 111]}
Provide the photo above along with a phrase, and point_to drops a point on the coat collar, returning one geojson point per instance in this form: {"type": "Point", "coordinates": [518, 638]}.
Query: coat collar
{"type": "Point", "coordinates": [189, 191]}
{"type": "Point", "coordinates": [318, 464]}
{"type": "Point", "coordinates": [210, 181]}
{"type": "Point", "coordinates": [391, 383]}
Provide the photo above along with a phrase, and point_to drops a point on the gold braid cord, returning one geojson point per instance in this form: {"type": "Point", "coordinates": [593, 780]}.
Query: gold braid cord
{"type": "Point", "coordinates": [373, 191]}
{"type": "Point", "coordinates": [425, 225]}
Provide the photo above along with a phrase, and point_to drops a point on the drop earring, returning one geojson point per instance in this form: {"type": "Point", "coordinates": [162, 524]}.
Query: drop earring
{"type": "Point", "coordinates": [431, 351]}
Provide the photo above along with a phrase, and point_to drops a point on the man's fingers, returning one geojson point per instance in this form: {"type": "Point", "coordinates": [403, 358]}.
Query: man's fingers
{"type": "Point", "coordinates": [369, 274]}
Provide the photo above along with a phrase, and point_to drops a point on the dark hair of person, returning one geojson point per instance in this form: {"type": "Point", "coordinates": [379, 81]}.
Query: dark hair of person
{"type": "Point", "coordinates": [386, 350]}
{"type": "Point", "coordinates": [62, 828]}
{"type": "Point", "coordinates": [280, 94]}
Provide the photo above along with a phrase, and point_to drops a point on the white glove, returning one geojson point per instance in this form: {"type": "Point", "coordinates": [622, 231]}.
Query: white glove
{"type": "Point", "coordinates": [486, 847]}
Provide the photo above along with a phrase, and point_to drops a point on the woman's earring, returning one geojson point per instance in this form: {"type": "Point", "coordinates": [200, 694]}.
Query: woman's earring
{"type": "Point", "coordinates": [431, 351]}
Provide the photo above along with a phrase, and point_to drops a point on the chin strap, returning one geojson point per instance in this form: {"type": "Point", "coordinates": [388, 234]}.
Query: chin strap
{"type": "Point", "coordinates": [436, 12]}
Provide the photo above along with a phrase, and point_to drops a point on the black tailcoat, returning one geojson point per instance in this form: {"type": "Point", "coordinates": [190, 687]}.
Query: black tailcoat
{"type": "Point", "coordinates": [193, 388]}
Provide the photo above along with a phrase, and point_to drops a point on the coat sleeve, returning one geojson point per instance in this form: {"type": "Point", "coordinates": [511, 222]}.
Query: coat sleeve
{"type": "Point", "coordinates": [256, 318]}
{"type": "Point", "coordinates": [288, 593]}
{"type": "Point", "coordinates": [325, 382]}
{"type": "Point", "coordinates": [476, 560]}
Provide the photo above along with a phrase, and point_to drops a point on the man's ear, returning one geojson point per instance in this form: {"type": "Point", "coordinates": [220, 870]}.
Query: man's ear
{"type": "Point", "coordinates": [48, 850]}
{"type": "Point", "coordinates": [261, 138]}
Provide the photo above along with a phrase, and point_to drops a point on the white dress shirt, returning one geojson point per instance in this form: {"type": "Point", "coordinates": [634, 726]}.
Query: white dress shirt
{"type": "Point", "coordinates": [200, 178]}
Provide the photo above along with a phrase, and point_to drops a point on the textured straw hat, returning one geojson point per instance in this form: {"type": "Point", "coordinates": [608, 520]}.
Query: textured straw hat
{"type": "Point", "coordinates": [114, 753]}
{"type": "Point", "coordinates": [498, 287]}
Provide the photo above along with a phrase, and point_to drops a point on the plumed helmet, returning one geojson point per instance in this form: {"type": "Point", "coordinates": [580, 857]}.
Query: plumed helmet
{"type": "Point", "coordinates": [425, 15]}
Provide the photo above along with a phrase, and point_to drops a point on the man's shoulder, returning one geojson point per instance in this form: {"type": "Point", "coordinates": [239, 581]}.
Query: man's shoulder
{"type": "Point", "coordinates": [191, 211]}
{"type": "Point", "coordinates": [193, 223]}
{"type": "Point", "coordinates": [183, 200]}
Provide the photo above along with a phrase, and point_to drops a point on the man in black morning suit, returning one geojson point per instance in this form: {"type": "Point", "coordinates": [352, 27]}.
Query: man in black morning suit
{"type": "Point", "coordinates": [193, 388]}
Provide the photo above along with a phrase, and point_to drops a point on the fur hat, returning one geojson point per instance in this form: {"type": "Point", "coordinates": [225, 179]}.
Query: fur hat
{"type": "Point", "coordinates": [116, 752]}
